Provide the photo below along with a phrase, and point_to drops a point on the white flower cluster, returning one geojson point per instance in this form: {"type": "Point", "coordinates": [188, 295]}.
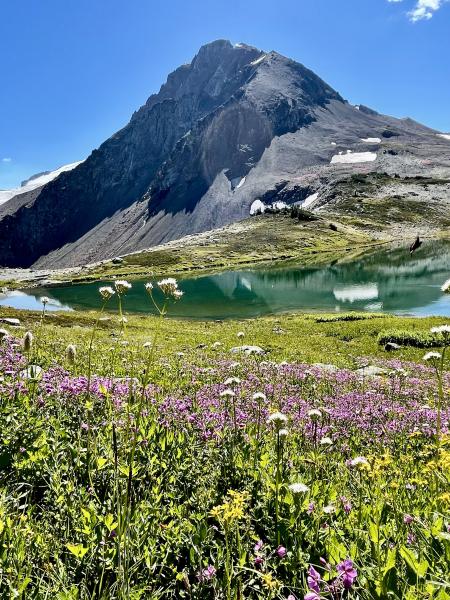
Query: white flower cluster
{"type": "Point", "coordinates": [169, 288]}
{"type": "Point", "coordinates": [106, 292]}
{"type": "Point", "coordinates": [122, 287]}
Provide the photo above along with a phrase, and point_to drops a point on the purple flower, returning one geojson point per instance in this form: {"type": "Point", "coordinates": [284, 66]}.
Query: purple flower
{"type": "Point", "coordinates": [84, 426]}
{"type": "Point", "coordinates": [207, 574]}
{"type": "Point", "coordinates": [259, 544]}
{"type": "Point", "coordinates": [313, 579]}
{"type": "Point", "coordinates": [258, 561]}
{"type": "Point", "coordinates": [348, 573]}
{"type": "Point", "coordinates": [311, 508]}
{"type": "Point", "coordinates": [408, 519]}
{"type": "Point", "coordinates": [312, 596]}
{"type": "Point", "coordinates": [281, 551]}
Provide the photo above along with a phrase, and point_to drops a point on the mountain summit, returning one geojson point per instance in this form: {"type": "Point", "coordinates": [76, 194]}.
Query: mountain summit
{"type": "Point", "coordinates": [235, 126]}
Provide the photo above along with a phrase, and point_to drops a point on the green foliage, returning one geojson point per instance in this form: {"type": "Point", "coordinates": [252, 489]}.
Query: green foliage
{"type": "Point", "coordinates": [417, 339]}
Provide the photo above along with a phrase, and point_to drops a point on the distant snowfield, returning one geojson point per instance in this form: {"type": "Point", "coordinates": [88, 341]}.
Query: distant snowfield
{"type": "Point", "coordinates": [32, 184]}
{"type": "Point", "coordinates": [446, 136]}
{"type": "Point", "coordinates": [354, 157]}
{"type": "Point", "coordinates": [371, 140]}
{"type": "Point", "coordinates": [257, 207]}
{"type": "Point", "coordinates": [309, 200]}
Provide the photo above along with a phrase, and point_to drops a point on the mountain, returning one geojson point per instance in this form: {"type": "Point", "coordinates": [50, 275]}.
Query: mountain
{"type": "Point", "coordinates": [35, 181]}
{"type": "Point", "coordinates": [235, 127]}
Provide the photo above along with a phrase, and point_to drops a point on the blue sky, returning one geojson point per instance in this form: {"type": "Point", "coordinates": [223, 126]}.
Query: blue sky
{"type": "Point", "coordinates": [73, 72]}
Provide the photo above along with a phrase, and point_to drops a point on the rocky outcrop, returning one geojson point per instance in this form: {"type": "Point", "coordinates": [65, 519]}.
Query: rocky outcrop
{"type": "Point", "coordinates": [234, 125]}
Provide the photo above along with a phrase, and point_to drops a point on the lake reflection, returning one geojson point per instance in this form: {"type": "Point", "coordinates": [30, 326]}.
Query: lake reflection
{"type": "Point", "coordinates": [390, 280]}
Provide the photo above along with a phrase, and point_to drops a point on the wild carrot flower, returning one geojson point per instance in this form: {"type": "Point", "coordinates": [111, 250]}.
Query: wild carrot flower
{"type": "Point", "coordinates": [27, 341]}
{"type": "Point", "coordinates": [106, 292]}
{"type": "Point", "coordinates": [149, 287]}
{"type": "Point", "coordinates": [283, 433]}
{"type": "Point", "coordinates": [122, 286]}
{"type": "Point", "coordinates": [259, 396]}
{"type": "Point", "coordinates": [45, 300]}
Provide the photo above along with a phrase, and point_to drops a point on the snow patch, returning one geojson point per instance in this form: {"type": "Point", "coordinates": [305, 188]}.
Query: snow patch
{"type": "Point", "coordinates": [257, 207]}
{"type": "Point", "coordinates": [279, 205]}
{"type": "Point", "coordinates": [355, 157]}
{"type": "Point", "coordinates": [333, 144]}
{"type": "Point", "coordinates": [258, 60]}
{"type": "Point", "coordinates": [371, 140]}
{"type": "Point", "coordinates": [36, 182]}
{"type": "Point", "coordinates": [241, 183]}
{"type": "Point", "coordinates": [446, 136]}
{"type": "Point", "coordinates": [309, 200]}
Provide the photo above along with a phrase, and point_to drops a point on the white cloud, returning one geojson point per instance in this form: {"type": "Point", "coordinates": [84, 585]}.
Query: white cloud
{"type": "Point", "coordinates": [423, 9]}
{"type": "Point", "coordinates": [6, 159]}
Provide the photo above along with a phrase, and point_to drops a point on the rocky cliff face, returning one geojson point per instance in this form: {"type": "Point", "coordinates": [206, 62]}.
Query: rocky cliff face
{"type": "Point", "coordinates": [235, 125]}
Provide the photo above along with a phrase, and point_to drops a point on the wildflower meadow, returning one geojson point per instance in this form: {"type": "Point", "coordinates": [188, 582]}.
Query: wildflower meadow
{"type": "Point", "coordinates": [128, 472]}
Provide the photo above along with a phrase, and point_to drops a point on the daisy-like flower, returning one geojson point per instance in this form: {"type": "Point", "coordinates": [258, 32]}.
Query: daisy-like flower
{"type": "Point", "coordinates": [122, 287]}
{"type": "Point", "coordinates": [446, 287]}
{"type": "Point", "coordinates": [278, 418]}
{"type": "Point", "coordinates": [299, 488]}
{"type": "Point", "coordinates": [106, 292]}
{"type": "Point", "coordinates": [432, 356]}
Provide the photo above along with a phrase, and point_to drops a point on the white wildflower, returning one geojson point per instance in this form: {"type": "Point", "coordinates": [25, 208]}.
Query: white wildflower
{"type": "Point", "coordinates": [27, 342]}
{"type": "Point", "coordinates": [278, 418]}
{"type": "Point", "coordinates": [299, 488]}
{"type": "Point", "coordinates": [326, 441]}
{"type": "Point", "coordinates": [227, 393]}
{"type": "Point", "coordinates": [32, 372]}
{"type": "Point", "coordinates": [283, 432]}
{"type": "Point", "coordinates": [432, 356]}
{"type": "Point", "coordinates": [232, 381]}
{"type": "Point", "coordinates": [444, 329]}
{"type": "Point", "coordinates": [71, 353]}
{"type": "Point", "coordinates": [359, 461]}
{"type": "Point", "coordinates": [106, 292]}
{"type": "Point", "coordinates": [314, 414]}
{"type": "Point", "coordinates": [149, 286]}
{"type": "Point", "coordinates": [169, 288]}
{"type": "Point", "coordinates": [147, 345]}
{"type": "Point", "coordinates": [329, 510]}
{"type": "Point", "coordinates": [259, 396]}
{"type": "Point", "coordinates": [240, 334]}
{"type": "Point", "coordinates": [122, 287]}
{"type": "Point", "coordinates": [45, 300]}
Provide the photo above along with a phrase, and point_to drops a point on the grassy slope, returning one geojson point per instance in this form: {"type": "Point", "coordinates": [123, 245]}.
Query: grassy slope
{"type": "Point", "coordinates": [297, 338]}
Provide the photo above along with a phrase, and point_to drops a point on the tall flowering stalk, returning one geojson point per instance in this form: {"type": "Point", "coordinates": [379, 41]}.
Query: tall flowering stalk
{"type": "Point", "coordinates": [438, 360]}
{"type": "Point", "coordinates": [279, 420]}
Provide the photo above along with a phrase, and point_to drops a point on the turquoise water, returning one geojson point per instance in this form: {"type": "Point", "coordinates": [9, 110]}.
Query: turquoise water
{"type": "Point", "coordinates": [390, 280]}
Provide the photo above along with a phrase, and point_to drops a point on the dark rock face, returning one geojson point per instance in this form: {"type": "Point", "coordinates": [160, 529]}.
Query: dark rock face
{"type": "Point", "coordinates": [235, 125]}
